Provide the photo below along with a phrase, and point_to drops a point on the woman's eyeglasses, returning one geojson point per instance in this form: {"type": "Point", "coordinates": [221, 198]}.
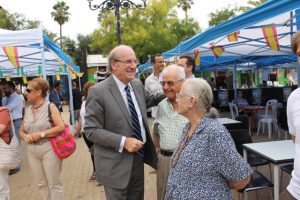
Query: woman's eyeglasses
{"type": "Point", "coordinates": [29, 90]}
{"type": "Point", "coordinates": [169, 83]}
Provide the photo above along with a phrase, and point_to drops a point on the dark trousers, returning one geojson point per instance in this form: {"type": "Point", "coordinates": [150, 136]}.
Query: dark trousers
{"type": "Point", "coordinates": [135, 188]}
{"type": "Point", "coordinates": [89, 144]}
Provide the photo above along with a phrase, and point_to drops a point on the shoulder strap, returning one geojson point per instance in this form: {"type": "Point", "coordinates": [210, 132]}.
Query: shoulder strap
{"type": "Point", "coordinates": [49, 113]}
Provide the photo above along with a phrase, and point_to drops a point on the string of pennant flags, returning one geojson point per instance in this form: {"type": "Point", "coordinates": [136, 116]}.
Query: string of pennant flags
{"type": "Point", "coordinates": [269, 33]}
{"type": "Point", "coordinates": [20, 73]}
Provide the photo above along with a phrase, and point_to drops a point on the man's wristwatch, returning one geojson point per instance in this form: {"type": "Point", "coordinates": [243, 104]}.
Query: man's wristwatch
{"type": "Point", "coordinates": [43, 134]}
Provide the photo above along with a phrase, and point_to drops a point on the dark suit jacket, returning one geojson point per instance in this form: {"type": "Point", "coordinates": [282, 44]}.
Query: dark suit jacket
{"type": "Point", "coordinates": [107, 119]}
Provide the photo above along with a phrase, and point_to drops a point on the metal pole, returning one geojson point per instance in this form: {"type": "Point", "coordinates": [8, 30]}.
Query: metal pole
{"type": "Point", "coordinates": [117, 15]}
{"type": "Point", "coordinates": [43, 61]}
{"type": "Point", "coordinates": [79, 83]}
{"type": "Point", "coordinates": [71, 99]}
{"type": "Point", "coordinates": [234, 80]}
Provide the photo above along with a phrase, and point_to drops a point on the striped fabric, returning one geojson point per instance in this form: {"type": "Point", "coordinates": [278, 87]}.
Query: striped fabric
{"type": "Point", "coordinates": [134, 119]}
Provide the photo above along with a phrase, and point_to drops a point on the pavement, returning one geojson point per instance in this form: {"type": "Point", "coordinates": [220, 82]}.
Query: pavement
{"type": "Point", "coordinates": [77, 169]}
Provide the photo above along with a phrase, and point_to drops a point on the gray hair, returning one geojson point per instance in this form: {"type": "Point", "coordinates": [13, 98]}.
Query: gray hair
{"type": "Point", "coordinates": [174, 67]}
{"type": "Point", "coordinates": [201, 91]}
{"type": "Point", "coordinates": [114, 52]}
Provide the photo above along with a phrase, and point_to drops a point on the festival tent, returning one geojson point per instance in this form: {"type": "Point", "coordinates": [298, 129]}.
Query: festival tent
{"type": "Point", "coordinates": [258, 38]}
{"type": "Point", "coordinates": [31, 53]}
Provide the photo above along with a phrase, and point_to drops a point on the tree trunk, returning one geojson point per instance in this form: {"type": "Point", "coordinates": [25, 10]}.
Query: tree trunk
{"type": "Point", "coordinates": [186, 16]}
{"type": "Point", "coordinates": [60, 35]}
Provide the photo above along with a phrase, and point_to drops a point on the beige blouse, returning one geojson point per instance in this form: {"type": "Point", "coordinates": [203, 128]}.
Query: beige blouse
{"type": "Point", "coordinates": [39, 122]}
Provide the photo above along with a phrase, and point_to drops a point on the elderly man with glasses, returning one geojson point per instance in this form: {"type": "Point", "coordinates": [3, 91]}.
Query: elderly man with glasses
{"type": "Point", "coordinates": [116, 121]}
{"type": "Point", "coordinates": [168, 124]}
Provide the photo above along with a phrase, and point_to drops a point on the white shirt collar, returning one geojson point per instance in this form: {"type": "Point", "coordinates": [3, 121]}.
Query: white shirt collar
{"type": "Point", "coordinates": [120, 84]}
{"type": "Point", "coordinates": [191, 77]}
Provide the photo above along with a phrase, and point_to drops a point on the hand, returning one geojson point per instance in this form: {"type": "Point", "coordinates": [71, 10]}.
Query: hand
{"type": "Point", "coordinates": [35, 136]}
{"type": "Point", "coordinates": [28, 138]}
{"type": "Point", "coordinates": [133, 145]}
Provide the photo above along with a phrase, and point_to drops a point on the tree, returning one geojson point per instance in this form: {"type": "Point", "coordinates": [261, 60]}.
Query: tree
{"type": "Point", "coordinates": [61, 16]}
{"type": "Point", "coordinates": [252, 4]}
{"type": "Point", "coordinates": [153, 30]}
{"type": "Point", "coordinates": [222, 15]}
{"type": "Point", "coordinates": [185, 5]}
{"type": "Point", "coordinates": [16, 21]}
{"type": "Point", "coordinates": [50, 34]}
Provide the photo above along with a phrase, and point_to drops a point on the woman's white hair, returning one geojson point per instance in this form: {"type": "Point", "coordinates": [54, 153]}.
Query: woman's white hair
{"type": "Point", "coordinates": [201, 91]}
{"type": "Point", "coordinates": [174, 67]}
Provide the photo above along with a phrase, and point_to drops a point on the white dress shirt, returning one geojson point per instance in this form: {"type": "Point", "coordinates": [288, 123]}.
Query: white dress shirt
{"type": "Point", "coordinates": [152, 85]}
{"type": "Point", "coordinates": [121, 87]}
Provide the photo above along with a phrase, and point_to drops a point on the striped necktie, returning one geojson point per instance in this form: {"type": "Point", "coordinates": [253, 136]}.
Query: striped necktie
{"type": "Point", "coordinates": [134, 119]}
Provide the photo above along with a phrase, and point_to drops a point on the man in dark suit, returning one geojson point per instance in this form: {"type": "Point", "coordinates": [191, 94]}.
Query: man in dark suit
{"type": "Point", "coordinates": [116, 121]}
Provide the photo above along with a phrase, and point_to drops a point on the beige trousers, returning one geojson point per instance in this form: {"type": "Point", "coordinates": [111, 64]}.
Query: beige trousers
{"type": "Point", "coordinates": [46, 169]}
{"type": "Point", "coordinates": [4, 189]}
{"type": "Point", "coordinates": [163, 167]}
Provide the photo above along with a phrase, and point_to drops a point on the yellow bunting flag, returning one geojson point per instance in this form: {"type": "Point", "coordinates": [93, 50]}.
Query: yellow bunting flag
{"type": "Point", "coordinates": [217, 50]}
{"type": "Point", "coordinates": [80, 74]}
{"type": "Point", "coordinates": [12, 54]}
{"type": "Point", "coordinates": [233, 37]}
{"type": "Point", "coordinates": [197, 57]}
{"type": "Point", "coordinates": [167, 63]}
{"type": "Point", "coordinates": [175, 60]}
{"type": "Point", "coordinates": [270, 35]}
{"type": "Point", "coordinates": [57, 77]}
{"type": "Point", "coordinates": [7, 78]}
{"type": "Point", "coordinates": [73, 75]}
{"type": "Point", "coordinates": [24, 79]}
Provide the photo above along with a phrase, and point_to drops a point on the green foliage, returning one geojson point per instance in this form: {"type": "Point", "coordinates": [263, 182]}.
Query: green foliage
{"type": "Point", "coordinates": [60, 13]}
{"type": "Point", "coordinates": [222, 15]}
{"type": "Point", "coordinates": [225, 14]}
{"type": "Point", "coordinates": [185, 5]}
{"type": "Point", "coordinates": [252, 4]}
{"type": "Point", "coordinates": [16, 21]}
{"type": "Point", "coordinates": [61, 16]}
{"type": "Point", "coordinates": [82, 48]}
{"type": "Point", "coordinates": [50, 34]}
{"type": "Point", "coordinates": [154, 29]}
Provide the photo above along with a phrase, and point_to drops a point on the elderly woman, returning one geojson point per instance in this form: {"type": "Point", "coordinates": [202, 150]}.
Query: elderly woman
{"type": "Point", "coordinates": [36, 130]}
{"type": "Point", "coordinates": [5, 126]}
{"type": "Point", "coordinates": [205, 164]}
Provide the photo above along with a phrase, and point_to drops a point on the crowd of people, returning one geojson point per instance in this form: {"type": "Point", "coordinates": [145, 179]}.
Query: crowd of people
{"type": "Point", "coordinates": [193, 153]}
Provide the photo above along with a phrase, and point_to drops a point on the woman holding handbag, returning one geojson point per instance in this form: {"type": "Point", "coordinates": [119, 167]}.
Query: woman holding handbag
{"type": "Point", "coordinates": [4, 137]}
{"type": "Point", "coordinates": [36, 130]}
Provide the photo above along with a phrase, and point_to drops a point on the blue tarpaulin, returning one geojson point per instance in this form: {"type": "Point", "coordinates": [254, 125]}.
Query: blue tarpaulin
{"type": "Point", "coordinates": [251, 45]}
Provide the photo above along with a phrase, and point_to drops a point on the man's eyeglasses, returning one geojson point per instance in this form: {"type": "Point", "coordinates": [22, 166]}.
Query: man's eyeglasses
{"type": "Point", "coordinates": [28, 90]}
{"type": "Point", "coordinates": [169, 83]}
{"type": "Point", "coordinates": [127, 62]}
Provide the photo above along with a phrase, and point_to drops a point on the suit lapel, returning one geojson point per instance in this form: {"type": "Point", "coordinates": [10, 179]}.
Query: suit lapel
{"type": "Point", "coordinates": [119, 99]}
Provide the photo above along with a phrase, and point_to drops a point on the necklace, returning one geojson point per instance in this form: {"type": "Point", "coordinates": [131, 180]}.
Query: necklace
{"type": "Point", "coordinates": [180, 149]}
{"type": "Point", "coordinates": [184, 142]}
{"type": "Point", "coordinates": [38, 106]}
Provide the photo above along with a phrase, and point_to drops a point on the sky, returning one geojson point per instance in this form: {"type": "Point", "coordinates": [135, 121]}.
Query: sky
{"type": "Point", "coordinates": [84, 21]}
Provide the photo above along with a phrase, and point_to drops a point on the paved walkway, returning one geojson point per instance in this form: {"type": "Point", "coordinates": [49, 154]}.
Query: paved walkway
{"type": "Point", "coordinates": [78, 168]}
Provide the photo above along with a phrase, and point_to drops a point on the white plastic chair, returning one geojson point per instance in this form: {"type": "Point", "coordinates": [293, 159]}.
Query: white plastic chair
{"type": "Point", "coordinates": [269, 119]}
{"type": "Point", "coordinates": [233, 110]}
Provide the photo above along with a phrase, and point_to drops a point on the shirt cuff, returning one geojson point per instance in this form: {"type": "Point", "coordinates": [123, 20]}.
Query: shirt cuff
{"type": "Point", "coordinates": [122, 144]}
